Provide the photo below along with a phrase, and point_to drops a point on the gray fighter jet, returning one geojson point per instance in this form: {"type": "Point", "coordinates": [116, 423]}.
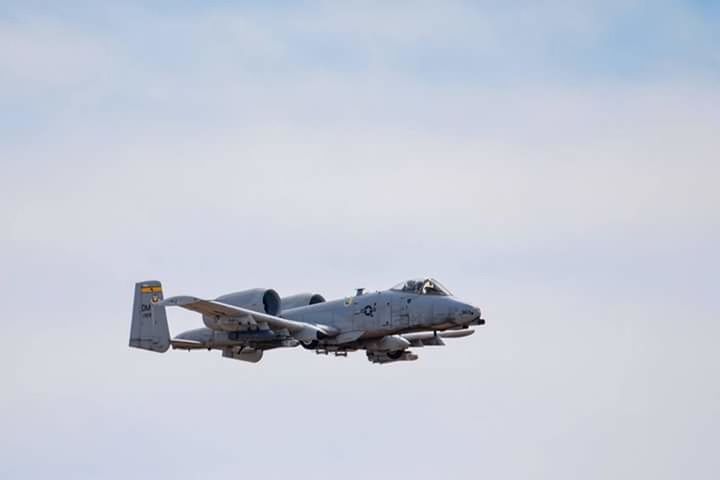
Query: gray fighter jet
{"type": "Point", "coordinates": [243, 325]}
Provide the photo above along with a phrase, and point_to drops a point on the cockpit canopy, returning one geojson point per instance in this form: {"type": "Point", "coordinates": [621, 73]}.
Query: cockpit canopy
{"type": "Point", "coordinates": [422, 286]}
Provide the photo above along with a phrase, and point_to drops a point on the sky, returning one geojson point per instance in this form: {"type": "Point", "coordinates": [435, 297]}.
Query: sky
{"type": "Point", "coordinates": [555, 163]}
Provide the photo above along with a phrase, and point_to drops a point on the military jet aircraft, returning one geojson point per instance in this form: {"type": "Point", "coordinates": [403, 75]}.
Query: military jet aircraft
{"type": "Point", "coordinates": [243, 325]}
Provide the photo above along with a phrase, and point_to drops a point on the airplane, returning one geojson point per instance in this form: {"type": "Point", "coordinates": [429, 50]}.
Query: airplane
{"type": "Point", "coordinates": [243, 325]}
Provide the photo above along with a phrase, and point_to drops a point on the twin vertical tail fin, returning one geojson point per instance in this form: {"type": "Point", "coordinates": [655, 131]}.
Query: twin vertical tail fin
{"type": "Point", "coordinates": [149, 327]}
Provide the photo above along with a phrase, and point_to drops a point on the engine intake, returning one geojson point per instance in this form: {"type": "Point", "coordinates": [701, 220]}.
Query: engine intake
{"type": "Point", "coordinates": [258, 300]}
{"type": "Point", "coordinates": [301, 300]}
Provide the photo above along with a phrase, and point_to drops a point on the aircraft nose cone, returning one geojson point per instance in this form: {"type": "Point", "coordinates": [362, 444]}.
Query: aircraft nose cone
{"type": "Point", "coordinates": [467, 314]}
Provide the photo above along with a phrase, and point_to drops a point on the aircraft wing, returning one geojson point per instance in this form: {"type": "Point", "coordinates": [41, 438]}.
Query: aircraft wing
{"type": "Point", "coordinates": [299, 330]}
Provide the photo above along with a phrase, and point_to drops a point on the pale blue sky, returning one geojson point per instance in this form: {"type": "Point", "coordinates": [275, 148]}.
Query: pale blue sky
{"type": "Point", "coordinates": [555, 164]}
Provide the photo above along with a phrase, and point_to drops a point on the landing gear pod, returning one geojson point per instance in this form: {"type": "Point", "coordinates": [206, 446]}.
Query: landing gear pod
{"type": "Point", "coordinates": [244, 354]}
{"type": "Point", "coordinates": [388, 357]}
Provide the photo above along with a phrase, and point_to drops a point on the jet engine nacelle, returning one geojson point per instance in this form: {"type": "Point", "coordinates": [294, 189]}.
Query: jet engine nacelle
{"type": "Point", "coordinates": [258, 300]}
{"type": "Point", "coordinates": [301, 300]}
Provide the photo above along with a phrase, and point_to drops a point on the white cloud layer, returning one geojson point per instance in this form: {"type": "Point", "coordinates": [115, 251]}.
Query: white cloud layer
{"type": "Point", "coordinates": [326, 148]}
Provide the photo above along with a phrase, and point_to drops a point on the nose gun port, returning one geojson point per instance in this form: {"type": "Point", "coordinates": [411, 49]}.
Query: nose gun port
{"type": "Point", "coordinates": [471, 315]}
{"type": "Point", "coordinates": [478, 320]}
